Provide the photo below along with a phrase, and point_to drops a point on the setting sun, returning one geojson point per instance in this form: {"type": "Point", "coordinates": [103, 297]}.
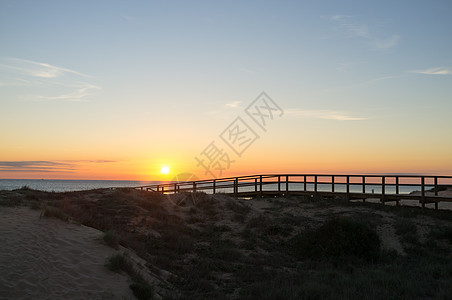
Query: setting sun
{"type": "Point", "coordinates": [165, 170]}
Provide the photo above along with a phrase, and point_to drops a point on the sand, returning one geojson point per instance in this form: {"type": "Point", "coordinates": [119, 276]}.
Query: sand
{"type": "Point", "coordinates": [46, 258]}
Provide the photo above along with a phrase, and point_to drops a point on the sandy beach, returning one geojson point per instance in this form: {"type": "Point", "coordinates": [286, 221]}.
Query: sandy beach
{"type": "Point", "coordinates": [47, 258]}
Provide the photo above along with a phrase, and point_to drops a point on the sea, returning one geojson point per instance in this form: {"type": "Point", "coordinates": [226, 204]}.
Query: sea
{"type": "Point", "coordinates": [56, 185]}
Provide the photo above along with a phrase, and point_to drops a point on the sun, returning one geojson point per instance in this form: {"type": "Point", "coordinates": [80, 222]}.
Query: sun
{"type": "Point", "coordinates": [165, 170]}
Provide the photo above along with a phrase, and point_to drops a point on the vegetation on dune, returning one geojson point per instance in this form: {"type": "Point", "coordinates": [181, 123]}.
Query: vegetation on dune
{"type": "Point", "coordinates": [337, 238]}
{"type": "Point", "coordinates": [54, 212]}
{"type": "Point", "coordinates": [204, 247]}
{"type": "Point", "coordinates": [120, 263]}
{"type": "Point", "coordinates": [111, 238]}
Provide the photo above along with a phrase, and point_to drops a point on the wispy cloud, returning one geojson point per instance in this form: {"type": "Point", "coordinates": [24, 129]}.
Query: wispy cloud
{"type": "Point", "coordinates": [38, 69]}
{"type": "Point", "coordinates": [385, 43]}
{"type": "Point", "coordinates": [233, 104]}
{"type": "Point", "coordinates": [352, 29]}
{"type": "Point", "coordinates": [323, 114]}
{"type": "Point", "coordinates": [248, 71]}
{"type": "Point", "coordinates": [435, 71]}
{"type": "Point", "coordinates": [81, 92]}
{"type": "Point", "coordinates": [35, 166]}
{"type": "Point", "coordinates": [45, 166]}
{"type": "Point", "coordinates": [43, 81]}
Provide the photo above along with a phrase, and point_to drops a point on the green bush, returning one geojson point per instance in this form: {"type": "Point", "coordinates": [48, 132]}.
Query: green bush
{"type": "Point", "coordinates": [337, 238]}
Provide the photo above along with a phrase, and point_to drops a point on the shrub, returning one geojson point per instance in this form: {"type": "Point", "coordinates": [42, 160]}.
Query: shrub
{"type": "Point", "coordinates": [336, 238]}
{"type": "Point", "coordinates": [118, 263]}
{"type": "Point", "coordinates": [142, 291]}
{"type": "Point", "coordinates": [140, 288]}
{"type": "Point", "coordinates": [442, 233]}
{"type": "Point", "coordinates": [407, 230]}
{"type": "Point", "coordinates": [55, 212]}
{"type": "Point", "coordinates": [111, 238]}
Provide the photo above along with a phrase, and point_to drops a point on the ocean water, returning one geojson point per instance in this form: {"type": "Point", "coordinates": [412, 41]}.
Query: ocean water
{"type": "Point", "coordinates": [68, 185]}
{"type": "Point", "coordinates": [80, 185]}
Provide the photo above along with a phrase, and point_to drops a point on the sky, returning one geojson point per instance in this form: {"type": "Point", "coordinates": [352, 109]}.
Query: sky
{"type": "Point", "coordinates": [210, 89]}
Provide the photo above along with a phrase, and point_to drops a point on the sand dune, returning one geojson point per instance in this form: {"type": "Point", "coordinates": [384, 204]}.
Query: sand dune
{"type": "Point", "coordinates": [201, 246]}
{"type": "Point", "coordinates": [46, 258]}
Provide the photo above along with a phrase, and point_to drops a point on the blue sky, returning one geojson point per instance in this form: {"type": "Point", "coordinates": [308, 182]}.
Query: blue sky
{"type": "Point", "coordinates": [129, 78]}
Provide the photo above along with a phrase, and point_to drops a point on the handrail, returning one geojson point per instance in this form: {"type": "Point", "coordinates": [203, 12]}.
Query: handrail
{"type": "Point", "coordinates": [284, 184]}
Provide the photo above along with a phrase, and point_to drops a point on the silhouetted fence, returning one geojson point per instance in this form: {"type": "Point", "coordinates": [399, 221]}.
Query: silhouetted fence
{"type": "Point", "coordinates": [384, 187]}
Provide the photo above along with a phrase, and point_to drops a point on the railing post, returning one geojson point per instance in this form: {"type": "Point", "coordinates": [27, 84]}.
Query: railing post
{"type": "Point", "coordinates": [364, 184]}
{"type": "Point", "coordinates": [287, 185]}
{"type": "Point", "coordinates": [332, 183]}
{"type": "Point", "coordinates": [423, 191]}
{"type": "Point", "coordinates": [397, 185]}
{"type": "Point", "coordinates": [348, 187]}
{"type": "Point", "coordinates": [383, 188]}
{"type": "Point", "coordinates": [436, 186]}
{"type": "Point", "coordinates": [260, 184]}
{"type": "Point", "coordinates": [279, 183]}
{"type": "Point", "coordinates": [255, 185]}
{"type": "Point", "coordinates": [175, 188]}
{"type": "Point", "coordinates": [194, 187]}
{"type": "Point", "coordinates": [236, 186]}
{"type": "Point", "coordinates": [304, 181]}
{"type": "Point", "coordinates": [213, 189]}
{"type": "Point", "coordinates": [315, 185]}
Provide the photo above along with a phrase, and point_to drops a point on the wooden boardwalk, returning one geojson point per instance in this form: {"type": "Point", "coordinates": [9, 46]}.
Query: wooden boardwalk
{"type": "Point", "coordinates": [386, 188]}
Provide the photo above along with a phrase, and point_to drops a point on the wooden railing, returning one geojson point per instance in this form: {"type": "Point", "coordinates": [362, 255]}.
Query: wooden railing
{"type": "Point", "coordinates": [384, 187]}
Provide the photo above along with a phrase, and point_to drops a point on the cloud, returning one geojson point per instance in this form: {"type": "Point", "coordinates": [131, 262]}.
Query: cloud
{"type": "Point", "coordinates": [248, 71]}
{"type": "Point", "coordinates": [385, 43]}
{"type": "Point", "coordinates": [233, 104]}
{"type": "Point", "coordinates": [38, 69]}
{"type": "Point", "coordinates": [323, 114]}
{"type": "Point", "coordinates": [352, 29]}
{"type": "Point", "coordinates": [81, 92]}
{"type": "Point", "coordinates": [45, 166]}
{"type": "Point", "coordinates": [43, 81]}
{"type": "Point", "coordinates": [35, 166]}
{"type": "Point", "coordinates": [434, 71]}
{"type": "Point", "coordinates": [96, 161]}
